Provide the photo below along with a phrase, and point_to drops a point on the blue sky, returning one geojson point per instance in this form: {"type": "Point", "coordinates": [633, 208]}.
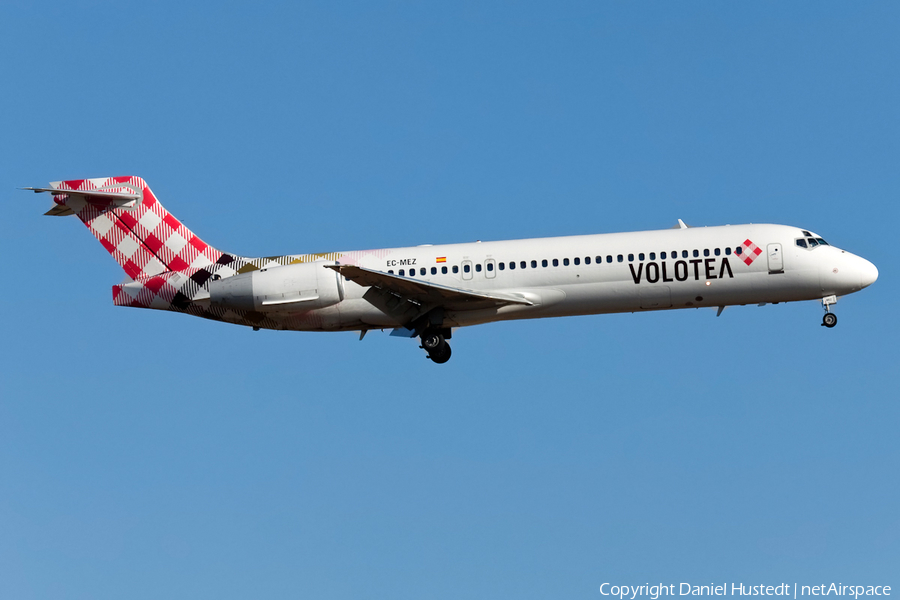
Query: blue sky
{"type": "Point", "coordinates": [148, 455]}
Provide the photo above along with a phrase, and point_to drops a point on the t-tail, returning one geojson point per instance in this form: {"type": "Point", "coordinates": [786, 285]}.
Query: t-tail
{"type": "Point", "coordinates": [125, 216]}
{"type": "Point", "coordinates": [167, 263]}
{"type": "Point", "coordinates": [168, 266]}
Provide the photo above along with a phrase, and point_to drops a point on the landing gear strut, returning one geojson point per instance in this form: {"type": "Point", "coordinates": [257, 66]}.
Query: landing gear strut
{"type": "Point", "coordinates": [830, 319]}
{"type": "Point", "coordinates": [435, 344]}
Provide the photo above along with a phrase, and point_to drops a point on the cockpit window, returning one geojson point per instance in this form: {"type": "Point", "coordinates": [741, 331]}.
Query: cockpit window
{"type": "Point", "coordinates": [822, 242]}
{"type": "Point", "coordinates": [801, 242]}
{"type": "Point", "coordinates": [806, 233]}
{"type": "Point", "coordinates": [812, 242]}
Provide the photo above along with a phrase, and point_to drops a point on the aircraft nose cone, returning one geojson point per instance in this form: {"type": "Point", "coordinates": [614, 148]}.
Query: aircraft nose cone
{"type": "Point", "coordinates": [868, 273]}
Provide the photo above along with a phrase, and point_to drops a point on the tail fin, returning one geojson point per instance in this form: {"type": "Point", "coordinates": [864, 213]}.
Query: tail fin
{"type": "Point", "coordinates": [125, 216]}
{"type": "Point", "coordinates": [168, 265]}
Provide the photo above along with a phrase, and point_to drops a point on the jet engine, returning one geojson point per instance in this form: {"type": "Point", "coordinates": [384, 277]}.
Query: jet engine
{"type": "Point", "coordinates": [302, 286]}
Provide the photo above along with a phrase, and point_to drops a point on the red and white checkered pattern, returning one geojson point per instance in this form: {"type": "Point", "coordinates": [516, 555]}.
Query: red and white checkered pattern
{"type": "Point", "coordinates": [152, 292]}
{"type": "Point", "coordinates": [749, 252]}
{"type": "Point", "coordinates": [145, 239]}
{"type": "Point", "coordinates": [168, 265]}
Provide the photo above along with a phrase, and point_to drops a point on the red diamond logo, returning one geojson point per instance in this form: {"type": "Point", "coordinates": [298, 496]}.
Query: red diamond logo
{"type": "Point", "coordinates": [749, 251]}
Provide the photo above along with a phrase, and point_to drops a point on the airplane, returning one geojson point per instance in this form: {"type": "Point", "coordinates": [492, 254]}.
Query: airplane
{"type": "Point", "coordinates": [428, 291]}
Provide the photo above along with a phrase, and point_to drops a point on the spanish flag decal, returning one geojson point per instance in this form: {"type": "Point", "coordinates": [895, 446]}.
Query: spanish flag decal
{"type": "Point", "coordinates": [441, 259]}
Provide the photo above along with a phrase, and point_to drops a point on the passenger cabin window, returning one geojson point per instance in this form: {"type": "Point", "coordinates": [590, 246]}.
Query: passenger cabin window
{"type": "Point", "coordinates": [717, 252]}
{"type": "Point", "coordinates": [662, 256]}
{"type": "Point", "coordinates": [490, 266]}
{"type": "Point", "coordinates": [523, 264]}
{"type": "Point", "coordinates": [653, 256]}
{"type": "Point", "coordinates": [555, 262]}
{"type": "Point", "coordinates": [738, 250]}
{"type": "Point", "coordinates": [544, 263]}
{"type": "Point", "coordinates": [619, 258]}
{"type": "Point", "coordinates": [801, 242]}
{"type": "Point", "coordinates": [466, 268]}
{"type": "Point", "coordinates": [512, 265]}
{"type": "Point", "coordinates": [566, 262]}
{"type": "Point", "coordinates": [478, 267]}
{"type": "Point", "coordinates": [434, 270]}
{"type": "Point", "coordinates": [587, 260]}
{"type": "Point", "coordinates": [456, 268]}
{"type": "Point", "coordinates": [706, 252]}
{"type": "Point", "coordinates": [422, 271]}
{"type": "Point", "coordinates": [443, 270]}
{"type": "Point", "coordinates": [402, 272]}
{"type": "Point", "coordinates": [391, 271]}
{"type": "Point", "coordinates": [696, 253]}
{"type": "Point", "coordinates": [684, 254]}
{"type": "Point", "coordinates": [630, 257]}
{"type": "Point", "coordinates": [728, 251]}
{"type": "Point", "coordinates": [609, 258]}
{"type": "Point", "coordinates": [501, 266]}
{"type": "Point", "coordinates": [641, 256]}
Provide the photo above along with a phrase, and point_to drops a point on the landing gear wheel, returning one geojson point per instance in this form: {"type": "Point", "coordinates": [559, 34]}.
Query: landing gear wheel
{"type": "Point", "coordinates": [829, 320]}
{"type": "Point", "coordinates": [442, 355]}
{"type": "Point", "coordinates": [432, 341]}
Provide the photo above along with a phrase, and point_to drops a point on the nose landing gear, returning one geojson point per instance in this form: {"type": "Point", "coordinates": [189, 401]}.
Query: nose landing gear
{"type": "Point", "coordinates": [830, 319]}
{"type": "Point", "coordinates": [435, 344]}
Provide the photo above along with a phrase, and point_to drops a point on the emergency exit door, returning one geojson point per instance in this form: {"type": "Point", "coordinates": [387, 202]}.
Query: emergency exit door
{"type": "Point", "coordinates": [776, 260]}
{"type": "Point", "coordinates": [467, 269]}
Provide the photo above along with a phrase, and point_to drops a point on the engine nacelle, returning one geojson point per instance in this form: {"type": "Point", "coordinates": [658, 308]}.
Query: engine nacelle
{"type": "Point", "coordinates": [303, 286]}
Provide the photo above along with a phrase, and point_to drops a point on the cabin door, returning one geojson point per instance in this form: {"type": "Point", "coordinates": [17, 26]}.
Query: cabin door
{"type": "Point", "coordinates": [776, 260]}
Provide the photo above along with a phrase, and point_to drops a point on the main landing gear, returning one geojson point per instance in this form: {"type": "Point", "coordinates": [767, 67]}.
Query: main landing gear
{"type": "Point", "coordinates": [434, 342]}
{"type": "Point", "coordinates": [830, 319]}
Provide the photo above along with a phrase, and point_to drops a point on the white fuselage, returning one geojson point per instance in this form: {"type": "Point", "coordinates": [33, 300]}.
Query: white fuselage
{"type": "Point", "coordinates": [609, 273]}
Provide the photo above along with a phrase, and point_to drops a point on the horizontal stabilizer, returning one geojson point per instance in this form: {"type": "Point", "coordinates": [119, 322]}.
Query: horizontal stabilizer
{"type": "Point", "coordinates": [59, 210]}
{"type": "Point", "coordinates": [94, 197]}
{"type": "Point", "coordinates": [104, 196]}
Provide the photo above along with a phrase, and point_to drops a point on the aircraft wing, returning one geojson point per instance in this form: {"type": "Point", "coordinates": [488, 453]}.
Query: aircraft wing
{"type": "Point", "coordinates": [425, 293]}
